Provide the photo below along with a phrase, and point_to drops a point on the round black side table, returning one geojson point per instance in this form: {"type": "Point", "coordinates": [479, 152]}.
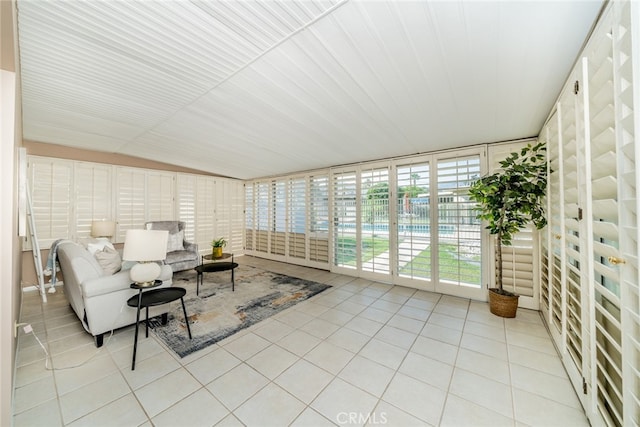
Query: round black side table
{"type": "Point", "coordinates": [150, 299]}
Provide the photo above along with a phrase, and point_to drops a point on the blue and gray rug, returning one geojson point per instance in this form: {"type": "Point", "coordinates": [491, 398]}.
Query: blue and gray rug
{"type": "Point", "coordinates": [218, 312]}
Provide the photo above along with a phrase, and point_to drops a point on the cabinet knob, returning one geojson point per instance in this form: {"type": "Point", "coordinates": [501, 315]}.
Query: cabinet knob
{"type": "Point", "coordinates": [615, 261]}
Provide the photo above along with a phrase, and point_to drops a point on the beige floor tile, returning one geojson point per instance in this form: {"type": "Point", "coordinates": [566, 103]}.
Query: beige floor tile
{"type": "Point", "coordinates": [450, 322]}
{"type": "Point", "coordinates": [294, 318]}
{"type": "Point", "coordinates": [397, 337]}
{"type": "Point", "coordinates": [272, 361]}
{"type": "Point", "coordinates": [87, 399]}
{"type": "Point", "coordinates": [441, 333]}
{"type": "Point", "coordinates": [549, 386]}
{"type": "Point", "coordinates": [383, 353]}
{"type": "Point", "coordinates": [418, 399]}
{"type": "Point", "coordinates": [350, 307]}
{"type": "Point", "coordinates": [434, 349]}
{"type": "Point", "coordinates": [414, 313]}
{"type": "Point", "coordinates": [376, 314]}
{"type": "Point", "coordinates": [273, 331]}
{"type": "Point", "coordinates": [34, 394]}
{"type": "Point", "coordinates": [340, 399]}
{"type": "Point", "coordinates": [364, 326]}
{"type": "Point", "coordinates": [528, 411]}
{"type": "Point", "coordinates": [483, 345]}
{"type": "Point", "coordinates": [337, 317]}
{"type": "Point", "coordinates": [406, 323]}
{"type": "Point", "coordinates": [212, 365]}
{"type": "Point", "coordinates": [270, 406]}
{"type": "Point", "coordinates": [311, 418]}
{"type": "Point", "coordinates": [386, 414]}
{"type": "Point", "coordinates": [299, 342]}
{"type": "Point", "coordinates": [484, 365]}
{"type": "Point", "coordinates": [123, 412]}
{"type": "Point", "coordinates": [320, 328]}
{"type": "Point", "coordinates": [197, 409]}
{"type": "Point", "coordinates": [46, 414]}
{"type": "Point", "coordinates": [543, 345]}
{"type": "Point", "coordinates": [362, 299]}
{"type": "Point", "coordinates": [427, 370]}
{"type": "Point", "coordinates": [237, 385]}
{"type": "Point", "coordinates": [536, 360]}
{"type": "Point", "coordinates": [149, 370]}
{"type": "Point", "coordinates": [482, 391]}
{"type": "Point", "coordinates": [304, 380]}
{"type": "Point", "coordinates": [246, 346]}
{"type": "Point", "coordinates": [367, 375]}
{"type": "Point", "coordinates": [459, 412]}
{"type": "Point", "coordinates": [30, 373]}
{"type": "Point", "coordinates": [388, 306]}
{"type": "Point", "coordinates": [74, 376]}
{"type": "Point", "coordinates": [166, 391]}
{"type": "Point", "coordinates": [348, 339]}
{"type": "Point", "coordinates": [329, 357]}
{"type": "Point", "coordinates": [485, 331]}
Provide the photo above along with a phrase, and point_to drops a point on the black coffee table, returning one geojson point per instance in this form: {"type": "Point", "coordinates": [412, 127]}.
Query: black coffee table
{"type": "Point", "coordinates": [152, 298]}
{"type": "Point", "coordinates": [215, 266]}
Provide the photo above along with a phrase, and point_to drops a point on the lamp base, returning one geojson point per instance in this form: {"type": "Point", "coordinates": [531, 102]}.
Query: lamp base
{"type": "Point", "coordinates": [145, 273]}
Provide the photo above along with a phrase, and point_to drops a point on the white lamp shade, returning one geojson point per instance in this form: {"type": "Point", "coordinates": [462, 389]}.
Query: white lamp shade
{"type": "Point", "coordinates": [145, 245]}
{"type": "Point", "coordinates": [103, 228]}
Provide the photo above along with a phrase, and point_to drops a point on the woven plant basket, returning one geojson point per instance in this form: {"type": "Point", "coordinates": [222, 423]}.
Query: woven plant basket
{"type": "Point", "coordinates": [503, 305]}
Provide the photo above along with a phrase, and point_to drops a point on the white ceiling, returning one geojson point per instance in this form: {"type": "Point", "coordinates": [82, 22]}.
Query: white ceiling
{"type": "Point", "coordinates": [257, 88]}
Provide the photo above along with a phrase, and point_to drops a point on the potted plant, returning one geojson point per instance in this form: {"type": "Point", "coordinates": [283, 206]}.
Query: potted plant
{"type": "Point", "coordinates": [216, 247]}
{"type": "Point", "coordinates": [508, 200]}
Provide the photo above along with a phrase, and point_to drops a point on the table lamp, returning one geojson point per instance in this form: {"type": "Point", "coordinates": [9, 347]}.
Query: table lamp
{"type": "Point", "coordinates": [103, 228]}
{"type": "Point", "coordinates": [145, 247]}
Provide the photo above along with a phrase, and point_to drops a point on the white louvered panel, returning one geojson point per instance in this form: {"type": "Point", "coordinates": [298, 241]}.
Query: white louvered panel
{"type": "Point", "coordinates": [237, 201]}
{"type": "Point", "coordinates": [130, 200]}
{"type": "Point", "coordinates": [50, 183]}
{"type": "Point", "coordinates": [186, 200]}
{"type": "Point", "coordinates": [279, 218]}
{"type": "Point", "coordinates": [250, 216]}
{"type": "Point", "coordinates": [222, 211]}
{"type": "Point", "coordinates": [517, 264]}
{"type": "Point", "coordinates": [550, 136]}
{"type": "Point", "coordinates": [262, 205]}
{"type": "Point", "coordinates": [319, 218]}
{"type": "Point", "coordinates": [413, 219]}
{"type": "Point", "coordinates": [459, 234]}
{"type": "Point", "coordinates": [626, 36]}
{"type": "Point", "coordinates": [93, 196]}
{"type": "Point", "coordinates": [297, 218]}
{"type": "Point", "coordinates": [573, 161]}
{"type": "Point", "coordinates": [160, 196]}
{"type": "Point", "coordinates": [205, 230]}
{"type": "Point", "coordinates": [374, 218]}
{"type": "Point", "coordinates": [345, 219]}
{"type": "Point", "coordinates": [605, 208]}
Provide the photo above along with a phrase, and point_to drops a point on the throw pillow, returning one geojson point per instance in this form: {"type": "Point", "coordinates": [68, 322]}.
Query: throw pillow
{"type": "Point", "coordinates": [175, 242]}
{"type": "Point", "coordinates": [109, 259]}
{"type": "Point", "coordinates": [96, 245]}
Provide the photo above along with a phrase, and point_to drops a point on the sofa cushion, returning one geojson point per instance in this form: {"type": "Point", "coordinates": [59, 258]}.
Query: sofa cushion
{"type": "Point", "coordinates": [175, 242]}
{"type": "Point", "coordinates": [109, 259]}
{"type": "Point", "coordinates": [95, 245]}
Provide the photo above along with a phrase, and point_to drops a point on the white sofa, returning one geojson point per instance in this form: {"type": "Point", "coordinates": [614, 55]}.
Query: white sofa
{"type": "Point", "coordinates": [100, 299]}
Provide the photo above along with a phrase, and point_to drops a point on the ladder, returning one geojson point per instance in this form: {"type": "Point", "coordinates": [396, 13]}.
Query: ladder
{"type": "Point", "coordinates": [35, 248]}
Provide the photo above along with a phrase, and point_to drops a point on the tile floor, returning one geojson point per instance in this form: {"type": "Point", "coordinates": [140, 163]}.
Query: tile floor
{"type": "Point", "coordinates": [360, 353]}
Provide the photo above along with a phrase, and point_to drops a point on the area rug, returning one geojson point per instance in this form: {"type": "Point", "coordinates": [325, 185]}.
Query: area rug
{"type": "Point", "coordinates": [218, 312]}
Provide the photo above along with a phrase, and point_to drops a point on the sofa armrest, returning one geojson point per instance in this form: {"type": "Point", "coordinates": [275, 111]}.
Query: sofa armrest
{"type": "Point", "coordinates": [191, 247]}
{"type": "Point", "coordinates": [116, 282]}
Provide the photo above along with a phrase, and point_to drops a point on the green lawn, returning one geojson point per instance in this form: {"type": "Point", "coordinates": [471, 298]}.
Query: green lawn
{"type": "Point", "coordinates": [451, 268]}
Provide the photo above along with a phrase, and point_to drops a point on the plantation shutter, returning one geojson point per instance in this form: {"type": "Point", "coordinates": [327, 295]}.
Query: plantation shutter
{"type": "Point", "coordinates": [458, 232]}
{"type": "Point", "coordinates": [186, 200]}
{"type": "Point", "coordinates": [235, 199]}
{"type": "Point", "coordinates": [222, 212]}
{"type": "Point", "coordinates": [205, 212]}
{"type": "Point", "coordinates": [278, 217]}
{"type": "Point", "coordinates": [262, 207]}
{"type": "Point", "coordinates": [93, 201]}
{"type": "Point", "coordinates": [160, 196]}
{"type": "Point", "coordinates": [250, 217]}
{"type": "Point", "coordinates": [51, 182]}
{"type": "Point", "coordinates": [297, 218]}
{"type": "Point", "coordinates": [519, 258]}
{"type": "Point", "coordinates": [374, 220]}
{"type": "Point", "coordinates": [413, 220]}
{"type": "Point", "coordinates": [319, 219]}
{"type": "Point", "coordinates": [130, 200]}
{"type": "Point", "coordinates": [345, 219]}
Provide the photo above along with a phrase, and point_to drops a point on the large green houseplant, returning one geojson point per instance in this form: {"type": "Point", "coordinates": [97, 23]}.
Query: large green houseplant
{"type": "Point", "coordinates": [508, 200]}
